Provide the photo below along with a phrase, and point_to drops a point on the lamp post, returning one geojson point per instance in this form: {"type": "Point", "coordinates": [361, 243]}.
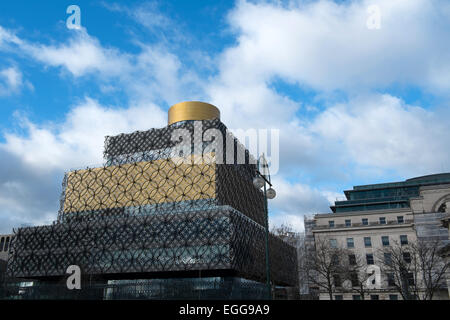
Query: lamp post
{"type": "Point", "coordinates": [262, 178]}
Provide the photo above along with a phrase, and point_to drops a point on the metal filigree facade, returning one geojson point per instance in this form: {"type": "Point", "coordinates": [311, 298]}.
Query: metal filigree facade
{"type": "Point", "coordinates": [143, 215]}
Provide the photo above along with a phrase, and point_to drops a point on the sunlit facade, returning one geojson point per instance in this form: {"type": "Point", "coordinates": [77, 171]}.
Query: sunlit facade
{"type": "Point", "coordinates": [377, 216]}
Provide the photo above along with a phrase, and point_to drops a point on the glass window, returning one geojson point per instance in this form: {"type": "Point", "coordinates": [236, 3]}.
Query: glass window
{"type": "Point", "coordinates": [382, 220]}
{"type": "Point", "coordinates": [403, 239]}
{"type": "Point", "coordinates": [354, 279]}
{"type": "Point", "coordinates": [385, 240]}
{"type": "Point", "coordinates": [410, 278]}
{"type": "Point", "coordinates": [338, 297]}
{"type": "Point", "coordinates": [391, 279]}
{"type": "Point", "coordinates": [369, 258]}
{"type": "Point", "coordinates": [387, 258]}
{"type": "Point", "coordinates": [333, 243]}
{"type": "Point", "coordinates": [367, 242]}
{"type": "Point", "coordinates": [337, 281]}
{"type": "Point", "coordinates": [352, 259]}
{"type": "Point", "coordinates": [356, 297]}
{"type": "Point", "coordinates": [365, 221]}
{"type": "Point", "coordinates": [1, 244]}
{"type": "Point", "coordinates": [348, 223]}
{"type": "Point", "coordinates": [350, 243]}
{"type": "Point", "coordinates": [331, 224]}
{"type": "Point", "coordinates": [393, 297]}
{"type": "Point", "coordinates": [374, 297]}
{"type": "Point", "coordinates": [407, 257]}
{"type": "Point", "coordinates": [335, 259]}
{"type": "Point", "coordinates": [400, 219]}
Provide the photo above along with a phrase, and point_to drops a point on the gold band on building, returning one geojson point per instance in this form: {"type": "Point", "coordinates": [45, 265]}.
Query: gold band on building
{"type": "Point", "coordinates": [139, 184]}
{"type": "Point", "coordinates": [192, 110]}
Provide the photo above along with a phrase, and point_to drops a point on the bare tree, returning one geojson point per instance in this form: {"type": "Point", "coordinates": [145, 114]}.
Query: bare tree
{"type": "Point", "coordinates": [356, 276]}
{"type": "Point", "coordinates": [416, 269]}
{"type": "Point", "coordinates": [287, 234]}
{"type": "Point", "coordinates": [323, 266]}
{"type": "Point", "coordinates": [296, 239]}
{"type": "Point", "coordinates": [282, 230]}
{"type": "Point", "coordinates": [302, 256]}
{"type": "Point", "coordinates": [432, 266]}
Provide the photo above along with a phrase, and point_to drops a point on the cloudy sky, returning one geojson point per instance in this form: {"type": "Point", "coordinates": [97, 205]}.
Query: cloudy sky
{"type": "Point", "coordinates": [355, 104]}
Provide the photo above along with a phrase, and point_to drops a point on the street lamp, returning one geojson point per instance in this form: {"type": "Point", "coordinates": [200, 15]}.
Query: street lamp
{"type": "Point", "coordinates": [262, 178]}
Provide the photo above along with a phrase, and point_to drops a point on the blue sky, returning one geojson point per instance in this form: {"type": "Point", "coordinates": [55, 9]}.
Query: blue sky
{"type": "Point", "coordinates": [354, 105]}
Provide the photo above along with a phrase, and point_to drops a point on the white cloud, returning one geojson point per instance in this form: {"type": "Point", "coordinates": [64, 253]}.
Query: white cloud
{"type": "Point", "coordinates": [82, 55]}
{"type": "Point", "coordinates": [7, 38]}
{"type": "Point", "coordinates": [27, 195]}
{"type": "Point", "coordinates": [327, 46]}
{"type": "Point", "coordinates": [296, 222]}
{"type": "Point", "coordinates": [160, 75]}
{"type": "Point", "coordinates": [298, 199]}
{"type": "Point", "coordinates": [34, 163]}
{"type": "Point", "coordinates": [12, 76]}
{"type": "Point", "coordinates": [78, 141]}
{"type": "Point", "coordinates": [295, 200]}
{"type": "Point", "coordinates": [381, 131]}
{"type": "Point", "coordinates": [152, 74]}
{"type": "Point", "coordinates": [10, 81]}
{"type": "Point", "coordinates": [374, 135]}
{"type": "Point", "coordinates": [147, 14]}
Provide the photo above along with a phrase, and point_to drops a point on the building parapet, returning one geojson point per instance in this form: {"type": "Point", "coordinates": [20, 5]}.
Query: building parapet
{"type": "Point", "coordinates": [359, 213]}
{"type": "Point", "coordinates": [370, 225]}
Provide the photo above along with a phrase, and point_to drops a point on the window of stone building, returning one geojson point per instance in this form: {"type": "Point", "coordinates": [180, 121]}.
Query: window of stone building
{"type": "Point", "coordinates": [403, 240]}
{"type": "Point", "coordinates": [350, 243]}
{"type": "Point", "coordinates": [385, 240]}
{"type": "Point", "coordinates": [410, 278]}
{"type": "Point", "coordinates": [2, 242]}
{"type": "Point", "coordinates": [374, 297]}
{"type": "Point", "coordinates": [391, 279]}
{"type": "Point", "coordinates": [352, 259]}
{"type": "Point", "coordinates": [338, 297]}
{"type": "Point", "coordinates": [356, 297]}
{"type": "Point", "coordinates": [348, 223]}
{"type": "Point", "coordinates": [369, 258]}
{"type": "Point", "coordinates": [365, 221]}
{"type": "Point", "coordinates": [367, 242]}
{"type": "Point", "coordinates": [331, 224]}
{"type": "Point", "coordinates": [333, 243]}
{"type": "Point", "coordinates": [335, 259]}
{"type": "Point", "coordinates": [337, 281]}
{"type": "Point", "coordinates": [400, 219]}
{"type": "Point", "coordinates": [393, 297]}
{"type": "Point", "coordinates": [382, 220]}
{"type": "Point", "coordinates": [387, 258]}
{"type": "Point", "coordinates": [407, 257]}
{"type": "Point", "coordinates": [354, 279]}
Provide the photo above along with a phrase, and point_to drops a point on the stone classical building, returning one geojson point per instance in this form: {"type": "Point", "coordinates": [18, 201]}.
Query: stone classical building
{"type": "Point", "coordinates": [446, 250]}
{"type": "Point", "coordinates": [375, 217]}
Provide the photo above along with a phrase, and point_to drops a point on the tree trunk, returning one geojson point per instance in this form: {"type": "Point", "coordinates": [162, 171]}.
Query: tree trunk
{"type": "Point", "coordinates": [330, 289]}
